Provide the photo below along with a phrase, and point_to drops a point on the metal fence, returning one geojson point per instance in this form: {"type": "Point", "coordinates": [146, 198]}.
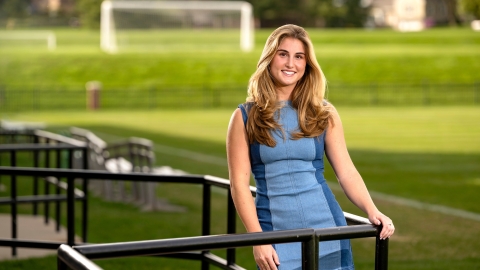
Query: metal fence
{"type": "Point", "coordinates": [43, 149]}
{"type": "Point", "coordinates": [358, 227]}
{"type": "Point", "coordinates": [21, 98]}
{"type": "Point", "coordinates": [77, 255]}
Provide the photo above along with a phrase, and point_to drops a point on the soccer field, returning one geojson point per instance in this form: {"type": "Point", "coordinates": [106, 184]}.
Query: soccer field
{"type": "Point", "coordinates": [346, 56]}
{"type": "Point", "coordinates": [421, 163]}
{"type": "Point", "coordinates": [417, 162]}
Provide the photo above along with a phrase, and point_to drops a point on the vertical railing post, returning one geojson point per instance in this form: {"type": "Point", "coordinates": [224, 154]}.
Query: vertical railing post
{"type": "Point", "coordinates": [35, 178]}
{"type": "Point", "coordinates": [231, 226]}
{"type": "Point", "coordinates": [46, 185]}
{"type": "Point", "coordinates": [70, 211]}
{"type": "Point", "coordinates": [310, 253]}
{"type": "Point", "coordinates": [13, 195]}
{"type": "Point", "coordinates": [57, 192]}
{"type": "Point", "coordinates": [61, 265]}
{"type": "Point", "coordinates": [135, 185]}
{"type": "Point", "coordinates": [206, 211]}
{"type": "Point", "coordinates": [85, 191]}
{"type": "Point", "coordinates": [381, 254]}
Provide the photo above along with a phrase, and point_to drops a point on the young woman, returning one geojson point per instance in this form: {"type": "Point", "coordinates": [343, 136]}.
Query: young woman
{"type": "Point", "coordinates": [281, 135]}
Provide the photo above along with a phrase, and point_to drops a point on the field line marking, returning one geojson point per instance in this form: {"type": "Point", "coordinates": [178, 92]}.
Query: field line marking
{"type": "Point", "coordinates": [190, 155]}
{"type": "Point", "coordinates": [418, 205]}
{"type": "Point", "coordinates": [173, 151]}
{"type": "Point", "coordinates": [378, 195]}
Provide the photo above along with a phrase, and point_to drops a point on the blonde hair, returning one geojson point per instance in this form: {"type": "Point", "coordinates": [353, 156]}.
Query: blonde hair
{"type": "Point", "coordinates": [307, 97]}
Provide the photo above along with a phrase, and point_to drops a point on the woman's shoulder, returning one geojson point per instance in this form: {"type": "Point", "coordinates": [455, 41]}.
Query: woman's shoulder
{"type": "Point", "coordinates": [246, 106]}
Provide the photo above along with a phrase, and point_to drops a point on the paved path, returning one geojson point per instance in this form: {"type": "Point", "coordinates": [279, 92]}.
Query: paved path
{"type": "Point", "coordinates": [30, 228]}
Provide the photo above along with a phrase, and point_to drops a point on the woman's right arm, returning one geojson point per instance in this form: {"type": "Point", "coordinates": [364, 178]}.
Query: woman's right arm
{"type": "Point", "coordinates": [239, 173]}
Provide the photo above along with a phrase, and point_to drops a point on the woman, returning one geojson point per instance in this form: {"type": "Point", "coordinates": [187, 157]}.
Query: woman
{"type": "Point", "coordinates": [281, 134]}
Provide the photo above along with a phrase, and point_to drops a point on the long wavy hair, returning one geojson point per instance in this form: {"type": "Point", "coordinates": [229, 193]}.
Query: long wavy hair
{"type": "Point", "coordinates": [308, 96]}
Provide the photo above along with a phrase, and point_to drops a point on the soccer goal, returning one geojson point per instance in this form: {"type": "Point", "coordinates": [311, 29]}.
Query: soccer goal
{"type": "Point", "coordinates": [21, 38]}
{"type": "Point", "coordinates": [175, 25]}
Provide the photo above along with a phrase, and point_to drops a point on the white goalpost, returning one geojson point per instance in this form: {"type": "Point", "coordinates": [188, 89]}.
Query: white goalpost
{"type": "Point", "coordinates": [182, 14]}
{"type": "Point", "coordinates": [27, 36]}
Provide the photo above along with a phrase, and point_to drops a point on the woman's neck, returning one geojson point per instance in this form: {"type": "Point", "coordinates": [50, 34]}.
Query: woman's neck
{"type": "Point", "coordinates": [284, 93]}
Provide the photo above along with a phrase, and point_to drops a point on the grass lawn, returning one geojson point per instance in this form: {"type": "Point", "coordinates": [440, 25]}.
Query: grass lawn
{"type": "Point", "coordinates": [428, 154]}
{"type": "Point", "coordinates": [346, 56]}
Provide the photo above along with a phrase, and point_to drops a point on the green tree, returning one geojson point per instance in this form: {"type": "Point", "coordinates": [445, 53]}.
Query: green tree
{"type": "Point", "coordinates": [453, 18]}
{"type": "Point", "coordinates": [89, 13]}
{"type": "Point", "coordinates": [11, 10]}
{"type": "Point", "coordinates": [14, 8]}
{"type": "Point", "coordinates": [471, 7]}
{"type": "Point", "coordinates": [272, 13]}
{"type": "Point", "coordinates": [342, 13]}
{"type": "Point", "coordinates": [310, 13]}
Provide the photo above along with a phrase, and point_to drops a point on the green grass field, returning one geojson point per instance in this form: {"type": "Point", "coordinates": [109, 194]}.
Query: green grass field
{"type": "Point", "coordinates": [438, 66]}
{"type": "Point", "coordinates": [430, 155]}
{"type": "Point", "coordinates": [426, 154]}
{"type": "Point", "coordinates": [347, 56]}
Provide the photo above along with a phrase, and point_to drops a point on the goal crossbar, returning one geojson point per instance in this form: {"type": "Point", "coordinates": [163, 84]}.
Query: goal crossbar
{"type": "Point", "coordinates": [107, 28]}
{"type": "Point", "coordinates": [31, 35]}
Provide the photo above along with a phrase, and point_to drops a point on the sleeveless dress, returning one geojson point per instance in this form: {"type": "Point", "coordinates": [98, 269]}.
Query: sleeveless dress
{"type": "Point", "coordinates": [292, 192]}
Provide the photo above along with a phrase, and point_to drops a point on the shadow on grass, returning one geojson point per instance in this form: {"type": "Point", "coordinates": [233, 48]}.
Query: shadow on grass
{"type": "Point", "coordinates": [447, 179]}
{"type": "Point", "coordinates": [424, 240]}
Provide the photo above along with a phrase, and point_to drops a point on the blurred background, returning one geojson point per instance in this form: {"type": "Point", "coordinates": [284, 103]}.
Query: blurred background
{"type": "Point", "coordinates": [404, 75]}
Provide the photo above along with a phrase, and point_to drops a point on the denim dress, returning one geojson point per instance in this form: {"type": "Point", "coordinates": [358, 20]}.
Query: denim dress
{"type": "Point", "coordinates": [292, 192]}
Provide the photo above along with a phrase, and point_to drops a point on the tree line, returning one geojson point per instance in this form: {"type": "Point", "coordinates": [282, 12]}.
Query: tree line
{"type": "Point", "coordinates": [267, 13]}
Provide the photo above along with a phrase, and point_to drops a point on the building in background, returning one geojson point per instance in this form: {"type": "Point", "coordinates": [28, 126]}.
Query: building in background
{"type": "Point", "coordinates": [52, 7]}
{"type": "Point", "coordinates": [411, 15]}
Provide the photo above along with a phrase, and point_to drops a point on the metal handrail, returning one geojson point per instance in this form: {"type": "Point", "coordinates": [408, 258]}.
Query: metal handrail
{"type": "Point", "coordinates": [366, 230]}
{"type": "Point", "coordinates": [62, 143]}
{"type": "Point", "coordinates": [309, 238]}
{"type": "Point", "coordinates": [67, 256]}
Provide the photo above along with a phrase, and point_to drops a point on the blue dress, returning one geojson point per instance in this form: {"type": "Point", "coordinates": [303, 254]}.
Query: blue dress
{"type": "Point", "coordinates": [292, 192]}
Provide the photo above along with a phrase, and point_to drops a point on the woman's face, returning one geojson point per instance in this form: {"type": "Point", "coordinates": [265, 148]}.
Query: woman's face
{"type": "Point", "coordinates": [288, 64]}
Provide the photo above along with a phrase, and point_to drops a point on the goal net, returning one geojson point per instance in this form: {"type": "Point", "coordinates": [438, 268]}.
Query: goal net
{"type": "Point", "coordinates": [176, 25]}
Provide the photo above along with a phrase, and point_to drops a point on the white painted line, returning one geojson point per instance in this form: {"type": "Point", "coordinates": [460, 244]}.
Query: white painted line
{"type": "Point", "coordinates": [378, 195]}
{"type": "Point", "coordinates": [418, 205]}
{"type": "Point", "coordinates": [172, 151]}
{"type": "Point", "coordinates": [190, 155]}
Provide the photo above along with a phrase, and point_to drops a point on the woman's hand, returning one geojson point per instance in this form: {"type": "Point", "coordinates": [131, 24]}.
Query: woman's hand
{"type": "Point", "coordinates": [266, 257]}
{"type": "Point", "coordinates": [380, 219]}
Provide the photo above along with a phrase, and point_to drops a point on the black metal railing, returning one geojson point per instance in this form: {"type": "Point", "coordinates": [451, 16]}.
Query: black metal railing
{"type": "Point", "coordinates": [72, 193]}
{"type": "Point", "coordinates": [310, 240]}
{"type": "Point", "coordinates": [43, 149]}
{"type": "Point", "coordinates": [127, 155]}
{"type": "Point", "coordinates": [229, 242]}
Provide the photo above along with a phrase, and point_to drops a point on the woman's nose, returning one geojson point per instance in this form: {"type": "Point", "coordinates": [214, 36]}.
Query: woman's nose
{"type": "Point", "coordinates": [289, 62]}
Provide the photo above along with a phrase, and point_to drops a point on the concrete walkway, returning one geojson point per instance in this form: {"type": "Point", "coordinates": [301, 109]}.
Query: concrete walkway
{"type": "Point", "coordinates": [30, 228]}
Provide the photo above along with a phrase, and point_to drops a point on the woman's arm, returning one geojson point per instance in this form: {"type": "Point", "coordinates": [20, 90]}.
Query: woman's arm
{"type": "Point", "coordinates": [348, 176]}
{"type": "Point", "coordinates": [239, 173]}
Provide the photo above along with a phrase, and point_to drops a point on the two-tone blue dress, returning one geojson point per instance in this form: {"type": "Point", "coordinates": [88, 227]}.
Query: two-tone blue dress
{"type": "Point", "coordinates": [292, 192]}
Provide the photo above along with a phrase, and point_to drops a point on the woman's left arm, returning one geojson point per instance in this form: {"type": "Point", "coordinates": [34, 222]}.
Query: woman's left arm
{"type": "Point", "coordinates": [349, 177]}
